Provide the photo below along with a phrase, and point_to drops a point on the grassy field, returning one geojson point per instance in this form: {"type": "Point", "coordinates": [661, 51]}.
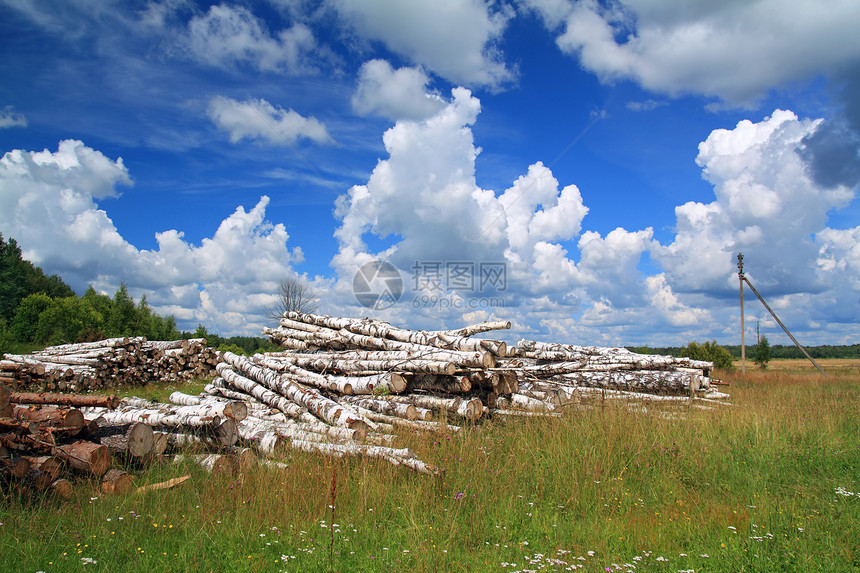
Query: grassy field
{"type": "Point", "coordinates": [835, 366]}
{"type": "Point", "coordinates": [769, 484]}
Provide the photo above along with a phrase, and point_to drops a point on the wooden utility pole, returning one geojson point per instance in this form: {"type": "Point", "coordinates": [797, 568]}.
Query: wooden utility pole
{"type": "Point", "coordinates": [743, 330]}
{"type": "Point", "coordinates": [743, 280]}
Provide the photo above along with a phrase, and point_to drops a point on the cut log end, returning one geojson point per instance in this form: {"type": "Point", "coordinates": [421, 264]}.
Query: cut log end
{"type": "Point", "coordinates": [398, 382]}
{"type": "Point", "coordinates": [117, 482]}
{"type": "Point", "coordinates": [63, 488]}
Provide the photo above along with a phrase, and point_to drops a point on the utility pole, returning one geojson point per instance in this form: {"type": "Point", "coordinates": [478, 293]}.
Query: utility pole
{"type": "Point", "coordinates": [743, 339]}
{"type": "Point", "coordinates": [743, 280]}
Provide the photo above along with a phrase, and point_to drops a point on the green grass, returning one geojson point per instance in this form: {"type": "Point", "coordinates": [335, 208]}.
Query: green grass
{"type": "Point", "coordinates": [747, 488]}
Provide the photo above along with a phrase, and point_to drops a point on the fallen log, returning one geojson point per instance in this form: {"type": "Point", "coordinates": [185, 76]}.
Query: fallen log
{"type": "Point", "coordinates": [469, 408]}
{"type": "Point", "coordinates": [116, 482]}
{"type": "Point", "coordinates": [16, 467]}
{"type": "Point", "coordinates": [77, 400]}
{"type": "Point", "coordinates": [84, 456]}
{"type": "Point", "coordinates": [68, 418]}
{"type": "Point", "coordinates": [134, 439]}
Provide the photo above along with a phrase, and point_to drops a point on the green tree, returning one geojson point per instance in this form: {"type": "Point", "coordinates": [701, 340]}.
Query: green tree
{"type": "Point", "coordinates": [66, 320]}
{"type": "Point", "coordinates": [164, 328]}
{"type": "Point", "coordinates": [709, 352]}
{"type": "Point", "coordinates": [121, 320]}
{"type": "Point", "coordinates": [19, 278]}
{"type": "Point", "coordinates": [761, 353]}
{"type": "Point", "coordinates": [6, 339]}
{"type": "Point", "coordinates": [26, 319]}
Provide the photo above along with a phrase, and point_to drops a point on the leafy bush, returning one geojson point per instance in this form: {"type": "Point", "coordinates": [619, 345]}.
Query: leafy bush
{"type": "Point", "coordinates": [709, 352]}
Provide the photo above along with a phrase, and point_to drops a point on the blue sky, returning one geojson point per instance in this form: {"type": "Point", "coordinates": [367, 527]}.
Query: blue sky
{"type": "Point", "coordinates": [612, 157]}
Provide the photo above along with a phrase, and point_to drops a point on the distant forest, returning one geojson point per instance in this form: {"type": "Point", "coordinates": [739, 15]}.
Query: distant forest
{"type": "Point", "coordinates": [38, 310]}
{"type": "Point", "coordinates": [777, 351]}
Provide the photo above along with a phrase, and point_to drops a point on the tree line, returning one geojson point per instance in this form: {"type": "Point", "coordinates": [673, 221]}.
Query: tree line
{"type": "Point", "coordinates": [38, 310]}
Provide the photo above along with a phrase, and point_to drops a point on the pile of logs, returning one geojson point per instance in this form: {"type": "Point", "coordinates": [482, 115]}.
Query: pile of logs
{"type": "Point", "coordinates": [344, 385]}
{"type": "Point", "coordinates": [346, 356]}
{"type": "Point", "coordinates": [108, 364]}
{"type": "Point", "coordinates": [45, 438]}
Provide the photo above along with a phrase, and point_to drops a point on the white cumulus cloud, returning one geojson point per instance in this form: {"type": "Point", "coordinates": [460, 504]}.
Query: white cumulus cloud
{"type": "Point", "coordinates": [767, 206]}
{"type": "Point", "coordinates": [395, 94]}
{"type": "Point", "coordinates": [456, 39]}
{"type": "Point", "coordinates": [49, 202]}
{"type": "Point", "coordinates": [259, 120]}
{"type": "Point", "coordinates": [735, 51]}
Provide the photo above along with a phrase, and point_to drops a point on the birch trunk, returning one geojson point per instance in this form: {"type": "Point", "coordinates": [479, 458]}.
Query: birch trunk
{"type": "Point", "coordinates": [478, 328]}
{"type": "Point", "coordinates": [315, 402]}
{"type": "Point", "coordinates": [637, 380]}
{"type": "Point", "coordinates": [322, 336]}
{"type": "Point", "coordinates": [379, 329]}
{"type": "Point", "coordinates": [359, 362]}
{"type": "Point", "coordinates": [390, 381]}
{"type": "Point", "coordinates": [259, 392]}
{"type": "Point", "coordinates": [471, 409]}
{"type": "Point", "coordinates": [407, 411]}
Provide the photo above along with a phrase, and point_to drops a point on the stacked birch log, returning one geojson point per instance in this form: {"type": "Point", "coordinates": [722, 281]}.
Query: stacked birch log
{"type": "Point", "coordinates": [108, 364]}
{"type": "Point", "coordinates": [470, 377]}
{"type": "Point", "coordinates": [345, 385]}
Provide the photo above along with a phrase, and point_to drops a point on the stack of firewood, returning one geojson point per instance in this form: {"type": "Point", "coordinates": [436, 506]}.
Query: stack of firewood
{"type": "Point", "coordinates": [342, 386]}
{"type": "Point", "coordinates": [45, 439]}
{"type": "Point", "coordinates": [349, 356]}
{"type": "Point", "coordinates": [345, 385]}
{"type": "Point", "coordinates": [107, 364]}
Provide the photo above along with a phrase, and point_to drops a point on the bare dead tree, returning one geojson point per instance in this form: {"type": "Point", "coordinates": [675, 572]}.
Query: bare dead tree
{"type": "Point", "coordinates": [294, 294]}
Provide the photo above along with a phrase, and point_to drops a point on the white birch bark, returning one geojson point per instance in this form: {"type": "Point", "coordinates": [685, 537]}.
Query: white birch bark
{"type": "Point", "coordinates": [471, 409]}
{"type": "Point", "coordinates": [407, 411]}
{"type": "Point", "coordinates": [360, 362]}
{"type": "Point", "coordinates": [315, 402]}
{"type": "Point", "coordinates": [258, 391]}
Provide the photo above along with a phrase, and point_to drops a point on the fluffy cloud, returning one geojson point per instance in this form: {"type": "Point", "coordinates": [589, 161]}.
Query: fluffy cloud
{"type": "Point", "coordinates": [767, 206]}
{"type": "Point", "coordinates": [395, 94]}
{"type": "Point", "coordinates": [258, 119]}
{"type": "Point", "coordinates": [48, 202]}
{"type": "Point", "coordinates": [10, 118]}
{"type": "Point", "coordinates": [412, 28]}
{"type": "Point", "coordinates": [228, 35]}
{"type": "Point", "coordinates": [424, 201]}
{"type": "Point", "coordinates": [676, 47]}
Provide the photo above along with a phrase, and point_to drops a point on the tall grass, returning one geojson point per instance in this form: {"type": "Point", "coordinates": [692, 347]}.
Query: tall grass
{"type": "Point", "coordinates": [765, 485]}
